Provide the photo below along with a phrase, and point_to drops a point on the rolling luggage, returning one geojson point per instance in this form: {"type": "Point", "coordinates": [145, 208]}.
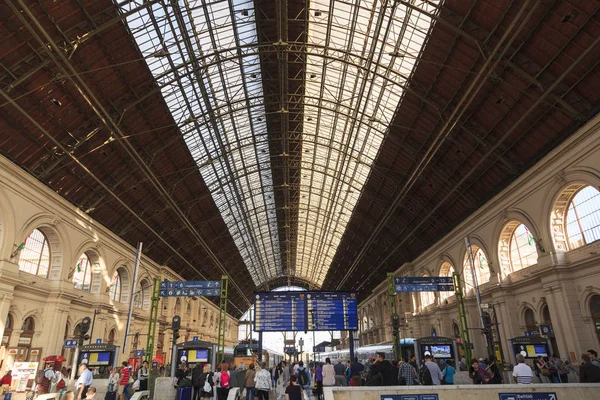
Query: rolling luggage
{"type": "Point", "coordinates": [184, 393]}
{"type": "Point", "coordinates": [110, 396]}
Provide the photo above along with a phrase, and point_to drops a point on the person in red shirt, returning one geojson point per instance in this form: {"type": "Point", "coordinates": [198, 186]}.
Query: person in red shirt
{"type": "Point", "coordinates": [124, 382]}
{"type": "Point", "coordinates": [5, 382]}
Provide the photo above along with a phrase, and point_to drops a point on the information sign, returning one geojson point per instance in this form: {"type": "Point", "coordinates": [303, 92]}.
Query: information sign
{"type": "Point", "coordinates": [528, 396]}
{"type": "Point", "coordinates": [192, 288]}
{"type": "Point", "coordinates": [280, 311]}
{"type": "Point", "coordinates": [70, 343]}
{"type": "Point", "coordinates": [195, 339]}
{"type": "Point", "coordinates": [409, 397]}
{"type": "Point", "coordinates": [140, 353]}
{"type": "Point", "coordinates": [98, 341]}
{"type": "Point", "coordinates": [289, 350]}
{"type": "Point", "coordinates": [424, 284]}
{"type": "Point", "coordinates": [21, 373]}
{"type": "Point", "coordinates": [319, 349]}
{"type": "Point", "coordinates": [332, 311]}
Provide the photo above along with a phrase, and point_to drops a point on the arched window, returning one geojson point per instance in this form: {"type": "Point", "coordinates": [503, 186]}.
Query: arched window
{"type": "Point", "coordinates": [82, 275]}
{"type": "Point", "coordinates": [111, 336]}
{"type": "Point", "coordinates": [142, 297]}
{"type": "Point", "coordinates": [529, 317]}
{"type": "Point", "coordinates": [516, 249]}
{"type": "Point", "coordinates": [28, 325]}
{"type": "Point", "coordinates": [8, 328]}
{"type": "Point", "coordinates": [446, 270]}
{"type": "Point", "coordinates": [595, 312]}
{"type": "Point", "coordinates": [115, 287]}
{"type": "Point", "coordinates": [482, 268]}
{"type": "Point", "coordinates": [427, 298]}
{"type": "Point", "coordinates": [583, 217]}
{"type": "Point", "coordinates": [455, 330]}
{"type": "Point", "coordinates": [188, 312]}
{"type": "Point", "coordinates": [177, 310]}
{"type": "Point", "coordinates": [35, 255]}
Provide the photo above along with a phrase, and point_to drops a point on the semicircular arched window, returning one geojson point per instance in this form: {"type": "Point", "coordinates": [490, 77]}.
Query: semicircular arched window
{"type": "Point", "coordinates": [35, 254]}
{"type": "Point", "coordinates": [582, 224]}
{"type": "Point", "coordinates": [115, 287]}
{"type": "Point", "coordinates": [516, 249]}
{"type": "Point", "coordinates": [427, 298]}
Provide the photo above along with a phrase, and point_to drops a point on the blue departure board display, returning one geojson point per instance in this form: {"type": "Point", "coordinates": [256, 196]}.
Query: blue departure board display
{"type": "Point", "coordinates": [332, 311]}
{"type": "Point", "coordinates": [280, 311]}
{"type": "Point", "coordinates": [305, 311]}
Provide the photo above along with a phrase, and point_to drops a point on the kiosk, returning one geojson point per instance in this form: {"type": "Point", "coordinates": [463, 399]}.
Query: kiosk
{"type": "Point", "coordinates": [530, 347]}
{"type": "Point", "coordinates": [441, 348]}
{"type": "Point", "coordinates": [98, 358]}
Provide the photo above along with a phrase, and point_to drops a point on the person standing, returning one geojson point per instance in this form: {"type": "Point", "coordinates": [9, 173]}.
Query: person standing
{"type": "Point", "coordinates": [113, 383]}
{"type": "Point", "coordinates": [522, 373]}
{"type": "Point", "coordinates": [207, 382]}
{"type": "Point", "coordinates": [197, 383]}
{"type": "Point", "coordinates": [448, 373]}
{"type": "Point", "coordinates": [142, 375]}
{"type": "Point", "coordinates": [407, 375]}
{"type": "Point", "coordinates": [223, 381]}
{"type": "Point", "coordinates": [45, 379]}
{"type": "Point", "coordinates": [356, 368]}
{"type": "Point", "coordinates": [382, 372]}
{"type": "Point", "coordinates": [479, 375]}
{"type": "Point", "coordinates": [593, 357]}
{"type": "Point", "coordinates": [6, 381]}
{"type": "Point", "coordinates": [328, 373]}
{"type": "Point", "coordinates": [340, 379]}
{"type": "Point", "coordinates": [249, 382]}
{"type": "Point", "coordinates": [124, 381]}
{"type": "Point", "coordinates": [434, 370]}
{"type": "Point", "coordinates": [263, 383]}
{"type": "Point", "coordinates": [319, 380]}
{"type": "Point", "coordinates": [84, 382]}
{"type": "Point", "coordinates": [495, 372]}
{"type": "Point", "coordinates": [588, 371]}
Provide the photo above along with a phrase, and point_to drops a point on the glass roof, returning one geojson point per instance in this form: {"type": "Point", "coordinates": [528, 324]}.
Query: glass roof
{"type": "Point", "coordinates": [363, 53]}
{"type": "Point", "coordinates": [205, 58]}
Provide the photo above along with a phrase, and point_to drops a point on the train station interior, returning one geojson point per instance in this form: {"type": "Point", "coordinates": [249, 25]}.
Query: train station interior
{"type": "Point", "coordinates": [183, 181]}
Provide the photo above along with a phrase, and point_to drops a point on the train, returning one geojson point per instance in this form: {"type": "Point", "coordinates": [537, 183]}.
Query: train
{"type": "Point", "coordinates": [407, 349]}
{"type": "Point", "coordinates": [247, 354]}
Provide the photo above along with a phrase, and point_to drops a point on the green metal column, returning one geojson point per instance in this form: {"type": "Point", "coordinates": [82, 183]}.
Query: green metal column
{"type": "Point", "coordinates": [152, 325]}
{"type": "Point", "coordinates": [462, 316]}
{"type": "Point", "coordinates": [392, 305]}
{"type": "Point", "coordinates": [222, 319]}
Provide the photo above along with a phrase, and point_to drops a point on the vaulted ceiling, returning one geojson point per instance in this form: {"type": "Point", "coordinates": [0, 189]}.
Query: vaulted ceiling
{"type": "Point", "coordinates": [319, 143]}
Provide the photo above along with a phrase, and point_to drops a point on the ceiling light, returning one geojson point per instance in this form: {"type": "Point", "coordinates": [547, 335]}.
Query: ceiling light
{"type": "Point", "coordinates": [160, 53]}
{"type": "Point", "coordinates": [317, 13]}
{"type": "Point", "coordinates": [244, 12]}
{"type": "Point", "coordinates": [56, 102]}
{"type": "Point", "coordinates": [397, 53]}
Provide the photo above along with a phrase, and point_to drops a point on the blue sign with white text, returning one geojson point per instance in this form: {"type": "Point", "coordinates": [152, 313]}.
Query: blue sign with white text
{"type": "Point", "coordinates": [70, 343]}
{"type": "Point", "coordinates": [424, 284]}
{"type": "Point", "coordinates": [140, 353]}
{"type": "Point", "coordinates": [98, 341]}
{"type": "Point", "coordinates": [192, 288]}
{"type": "Point", "coordinates": [528, 396]}
{"type": "Point", "coordinates": [409, 397]}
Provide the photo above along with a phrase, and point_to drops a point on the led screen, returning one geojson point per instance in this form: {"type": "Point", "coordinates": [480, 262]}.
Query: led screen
{"type": "Point", "coordinates": [442, 351]}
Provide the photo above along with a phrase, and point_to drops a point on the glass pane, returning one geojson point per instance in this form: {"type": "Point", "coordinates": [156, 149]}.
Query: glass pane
{"type": "Point", "coordinates": [82, 276]}
{"type": "Point", "coordinates": [35, 255]}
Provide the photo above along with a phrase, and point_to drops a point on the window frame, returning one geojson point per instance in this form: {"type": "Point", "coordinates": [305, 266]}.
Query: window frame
{"type": "Point", "coordinates": [578, 219]}
{"type": "Point", "coordinates": [88, 269]}
{"type": "Point", "coordinates": [117, 287]}
{"type": "Point", "coordinates": [45, 245]}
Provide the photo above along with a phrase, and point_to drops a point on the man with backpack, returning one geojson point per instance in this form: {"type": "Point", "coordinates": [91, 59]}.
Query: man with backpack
{"type": "Point", "coordinates": [303, 375]}
{"type": "Point", "coordinates": [430, 373]}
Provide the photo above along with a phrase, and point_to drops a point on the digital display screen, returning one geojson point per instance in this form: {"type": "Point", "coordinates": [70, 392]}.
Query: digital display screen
{"type": "Point", "coordinates": [441, 351]}
{"type": "Point", "coordinates": [102, 358]}
{"type": "Point", "coordinates": [531, 350]}
{"type": "Point", "coordinates": [194, 356]}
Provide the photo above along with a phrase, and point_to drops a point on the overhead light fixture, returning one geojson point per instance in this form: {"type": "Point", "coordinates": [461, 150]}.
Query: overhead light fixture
{"type": "Point", "coordinates": [244, 12]}
{"type": "Point", "coordinates": [56, 102]}
{"type": "Point", "coordinates": [317, 13]}
{"type": "Point", "coordinates": [397, 53]}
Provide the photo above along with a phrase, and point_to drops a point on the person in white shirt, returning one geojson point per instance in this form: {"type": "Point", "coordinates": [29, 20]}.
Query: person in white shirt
{"type": "Point", "coordinates": [522, 372]}
{"type": "Point", "coordinates": [328, 373]}
{"type": "Point", "coordinates": [84, 382]}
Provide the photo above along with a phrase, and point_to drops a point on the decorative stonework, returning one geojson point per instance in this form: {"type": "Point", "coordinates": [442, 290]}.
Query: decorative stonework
{"type": "Point", "coordinates": [559, 214]}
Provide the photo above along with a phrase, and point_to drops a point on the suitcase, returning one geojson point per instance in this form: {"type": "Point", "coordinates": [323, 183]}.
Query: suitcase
{"type": "Point", "coordinates": [184, 393]}
{"type": "Point", "coordinates": [110, 396]}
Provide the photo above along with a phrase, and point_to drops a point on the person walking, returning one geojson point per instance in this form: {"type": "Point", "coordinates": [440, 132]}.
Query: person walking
{"type": "Point", "coordinates": [263, 383]}
{"type": "Point", "coordinates": [588, 371]}
{"type": "Point", "coordinates": [84, 382]}
{"type": "Point", "coordinates": [319, 380]}
{"type": "Point", "coordinates": [303, 375]}
{"type": "Point", "coordinates": [448, 373]}
{"type": "Point", "coordinates": [197, 383]}
{"type": "Point", "coordinates": [143, 374]}
{"type": "Point", "coordinates": [294, 390]}
{"type": "Point", "coordinates": [434, 370]}
{"type": "Point", "coordinates": [45, 379]}
{"type": "Point", "coordinates": [249, 382]}
{"type": "Point", "coordinates": [124, 375]}
{"type": "Point", "coordinates": [522, 373]}
{"type": "Point", "coordinates": [328, 373]}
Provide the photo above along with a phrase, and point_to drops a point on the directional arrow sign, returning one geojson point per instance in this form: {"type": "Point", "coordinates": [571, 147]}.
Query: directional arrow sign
{"type": "Point", "coordinates": [528, 396]}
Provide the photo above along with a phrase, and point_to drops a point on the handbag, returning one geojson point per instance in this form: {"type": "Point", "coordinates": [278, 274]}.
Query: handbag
{"type": "Point", "coordinates": [136, 384]}
{"type": "Point", "coordinates": [546, 372]}
{"type": "Point", "coordinates": [61, 384]}
{"type": "Point", "coordinates": [207, 388]}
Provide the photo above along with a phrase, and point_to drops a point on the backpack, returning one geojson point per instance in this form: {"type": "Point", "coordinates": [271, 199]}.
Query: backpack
{"type": "Point", "coordinates": [303, 377]}
{"type": "Point", "coordinates": [224, 379]}
{"type": "Point", "coordinates": [425, 376]}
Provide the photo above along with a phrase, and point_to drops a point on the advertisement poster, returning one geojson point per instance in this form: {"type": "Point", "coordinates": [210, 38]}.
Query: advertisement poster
{"type": "Point", "coordinates": [21, 373]}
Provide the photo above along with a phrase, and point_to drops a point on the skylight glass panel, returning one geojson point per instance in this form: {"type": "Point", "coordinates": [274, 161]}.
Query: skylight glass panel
{"type": "Point", "coordinates": [203, 56]}
{"type": "Point", "coordinates": [360, 56]}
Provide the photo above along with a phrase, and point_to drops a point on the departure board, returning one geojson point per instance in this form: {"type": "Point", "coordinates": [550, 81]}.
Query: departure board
{"type": "Point", "coordinates": [332, 311]}
{"type": "Point", "coordinates": [305, 311]}
{"type": "Point", "coordinates": [280, 311]}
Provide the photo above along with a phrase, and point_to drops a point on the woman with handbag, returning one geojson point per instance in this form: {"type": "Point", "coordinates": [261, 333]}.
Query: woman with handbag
{"type": "Point", "coordinates": [207, 382]}
{"type": "Point", "coordinates": [543, 369]}
{"type": "Point", "coordinates": [143, 375]}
